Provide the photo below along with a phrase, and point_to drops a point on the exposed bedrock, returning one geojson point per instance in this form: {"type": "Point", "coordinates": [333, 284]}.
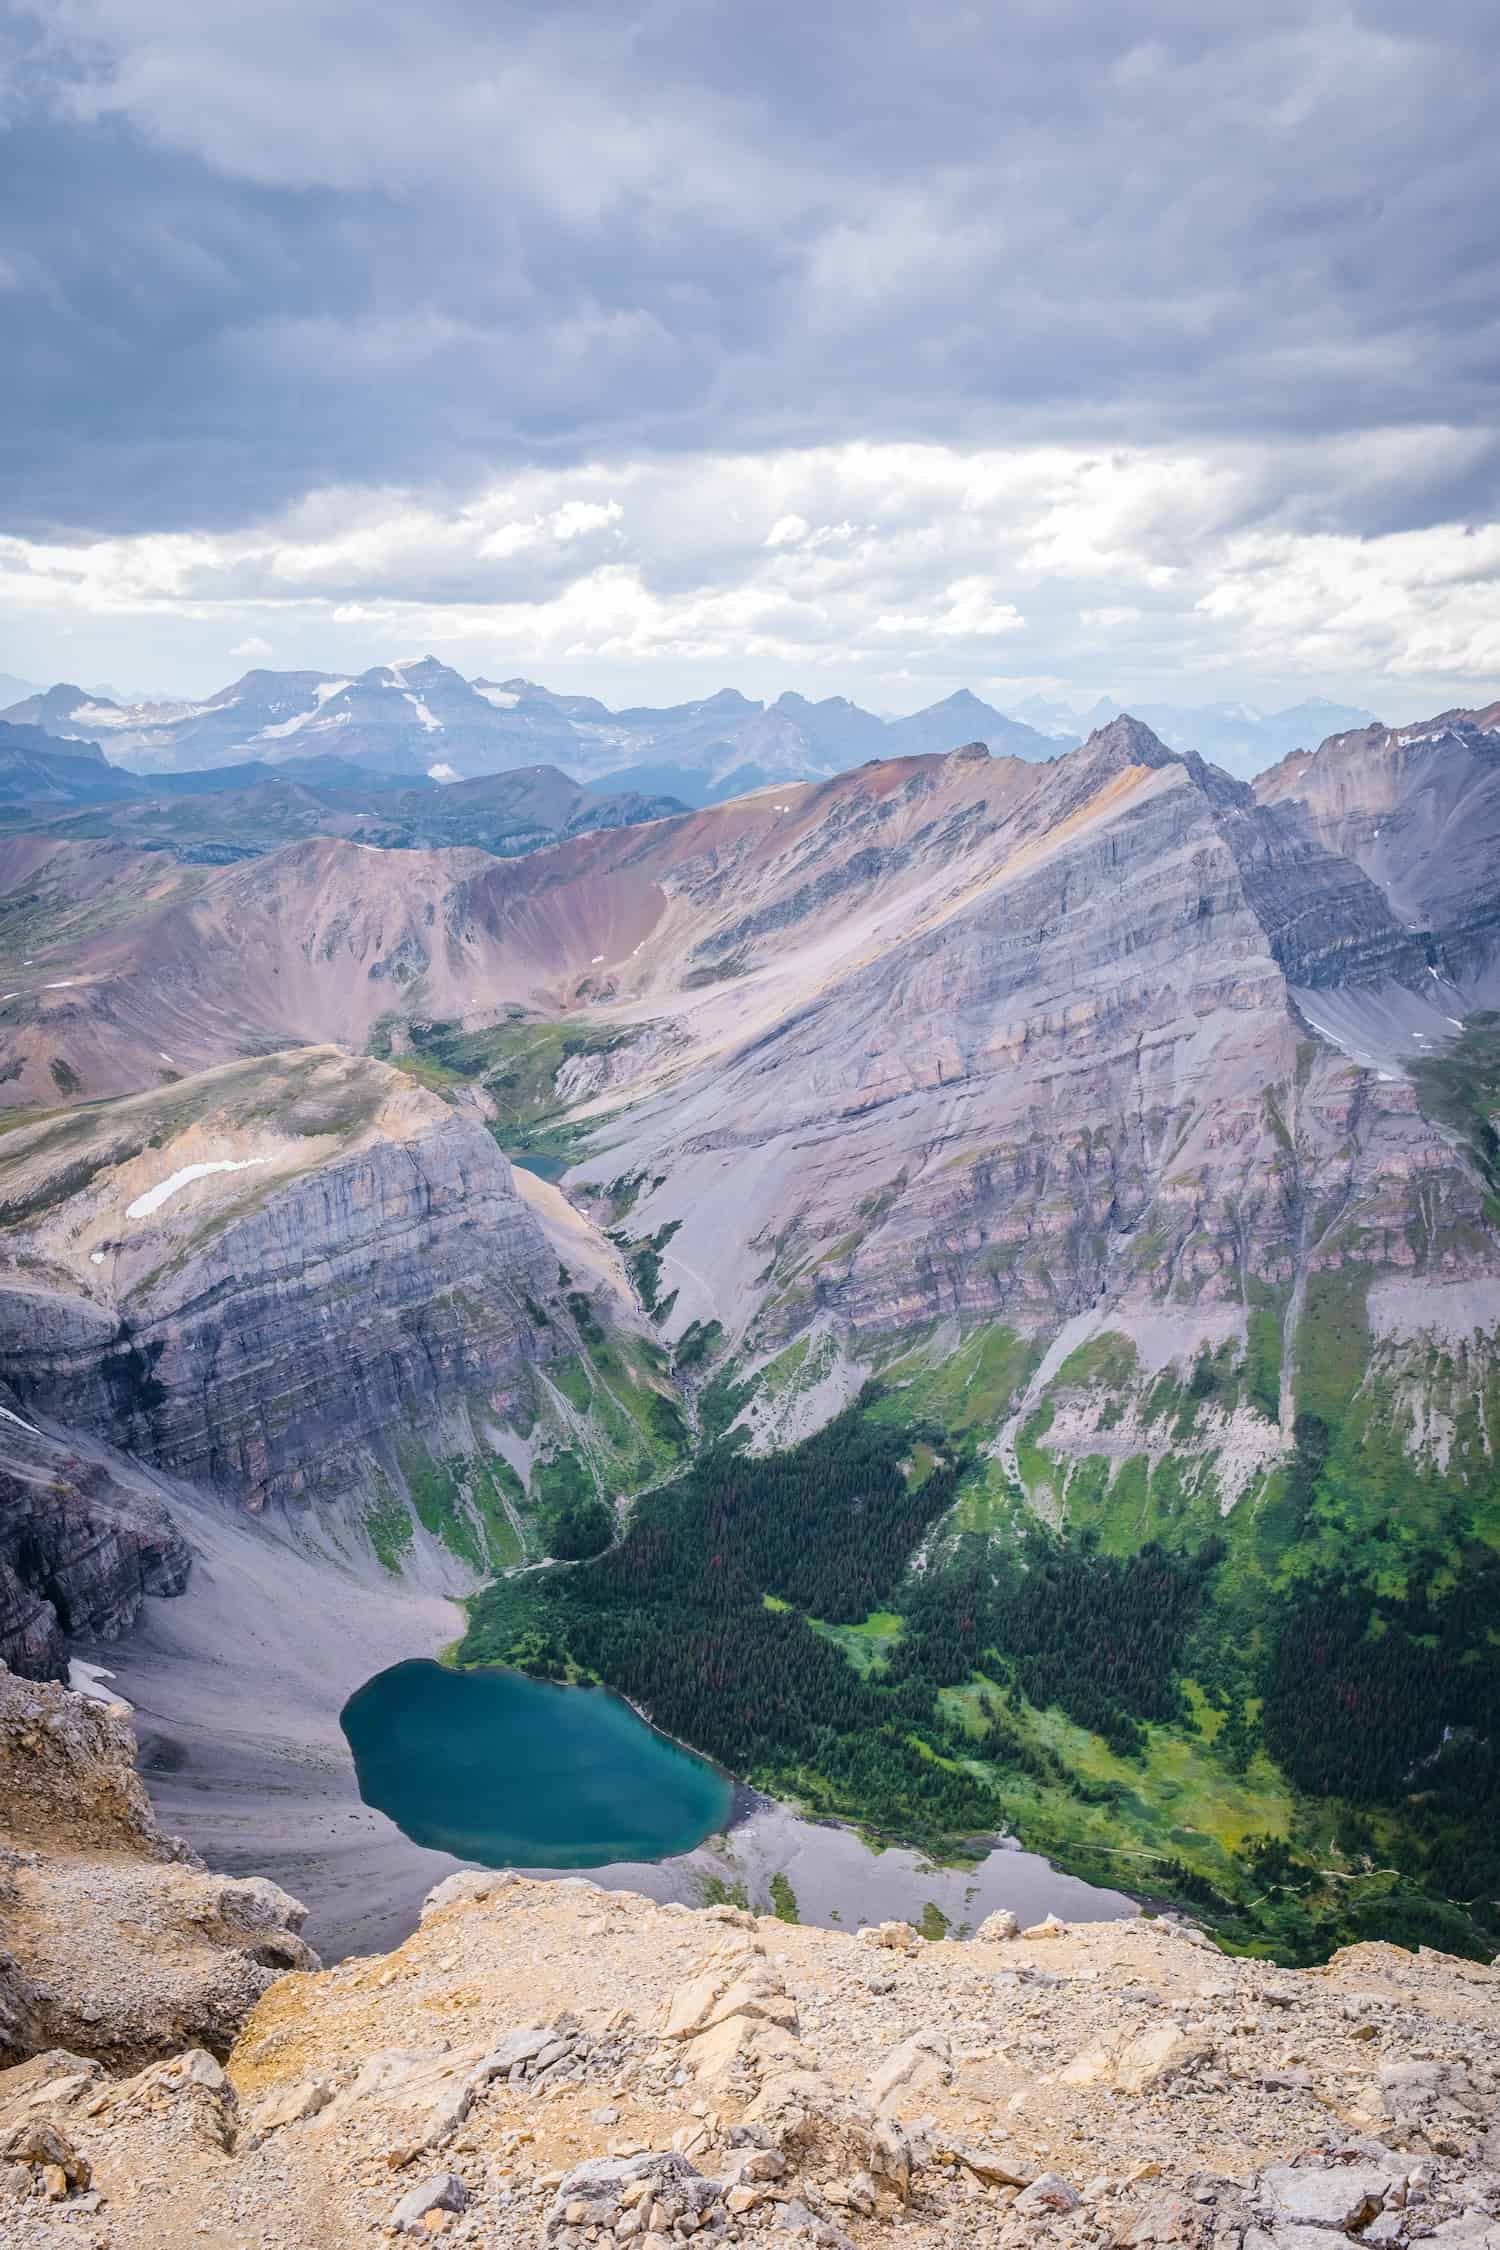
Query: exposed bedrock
{"type": "Point", "coordinates": [1418, 809]}
{"type": "Point", "coordinates": [265, 1345]}
{"type": "Point", "coordinates": [119, 1944]}
{"type": "Point", "coordinates": [82, 1543]}
{"type": "Point", "coordinates": [1089, 1079]}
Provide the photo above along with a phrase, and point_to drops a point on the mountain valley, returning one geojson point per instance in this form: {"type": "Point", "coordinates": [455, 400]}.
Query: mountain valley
{"type": "Point", "coordinates": [749, 1319]}
{"type": "Point", "coordinates": [1003, 1253]}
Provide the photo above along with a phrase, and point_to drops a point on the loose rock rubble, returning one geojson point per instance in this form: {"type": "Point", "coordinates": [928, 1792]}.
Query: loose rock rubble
{"type": "Point", "coordinates": [549, 2065]}
{"type": "Point", "coordinates": [117, 1941]}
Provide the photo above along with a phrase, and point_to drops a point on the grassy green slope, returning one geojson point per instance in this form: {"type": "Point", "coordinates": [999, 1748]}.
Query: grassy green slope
{"type": "Point", "coordinates": [1124, 1692]}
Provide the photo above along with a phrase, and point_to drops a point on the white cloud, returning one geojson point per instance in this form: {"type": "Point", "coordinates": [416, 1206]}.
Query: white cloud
{"type": "Point", "coordinates": [975, 613]}
{"type": "Point", "coordinates": [575, 517]}
{"type": "Point", "coordinates": [640, 578]}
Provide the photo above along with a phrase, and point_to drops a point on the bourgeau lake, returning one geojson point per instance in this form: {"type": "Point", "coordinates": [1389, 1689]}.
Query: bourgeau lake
{"type": "Point", "coordinates": [507, 1771]}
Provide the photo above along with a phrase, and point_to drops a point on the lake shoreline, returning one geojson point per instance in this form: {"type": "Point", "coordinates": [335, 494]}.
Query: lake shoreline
{"type": "Point", "coordinates": [507, 1770]}
{"type": "Point", "coordinates": [826, 1869]}
{"type": "Point", "coordinates": [238, 1685]}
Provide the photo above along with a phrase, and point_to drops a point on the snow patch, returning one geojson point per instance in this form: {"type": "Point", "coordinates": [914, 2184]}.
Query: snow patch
{"type": "Point", "coordinates": [88, 1681]}
{"type": "Point", "coordinates": [155, 1197]}
{"type": "Point", "coordinates": [284, 727]}
{"type": "Point", "coordinates": [504, 699]}
{"type": "Point", "coordinates": [429, 723]}
{"type": "Point", "coordinates": [100, 715]}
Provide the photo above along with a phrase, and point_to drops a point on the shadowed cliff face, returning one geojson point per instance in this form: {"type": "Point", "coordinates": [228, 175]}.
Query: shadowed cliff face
{"type": "Point", "coordinates": [82, 1542]}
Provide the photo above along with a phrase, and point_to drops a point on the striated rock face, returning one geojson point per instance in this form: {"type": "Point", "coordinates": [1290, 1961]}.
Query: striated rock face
{"type": "Point", "coordinates": [82, 1542]}
{"type": "Point", "coordinates": [1418, 809]}
{"type": "Point", "coordinates": [251, 1278]}
{"type": "Point", "coordinates": [942, 1039]}
{"type": "Point", "coordinates": [1079, 1072]}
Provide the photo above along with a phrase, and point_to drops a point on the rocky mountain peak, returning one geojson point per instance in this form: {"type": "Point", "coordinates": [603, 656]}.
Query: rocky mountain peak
{"type": "Point", "coordinates": [1129, 742]}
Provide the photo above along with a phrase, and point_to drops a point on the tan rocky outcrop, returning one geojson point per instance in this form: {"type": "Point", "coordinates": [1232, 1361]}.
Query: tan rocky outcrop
{"type": "Point", "coordinates": [120, 1944]}
{"type": "Point", "coordinates": [505, 2079]}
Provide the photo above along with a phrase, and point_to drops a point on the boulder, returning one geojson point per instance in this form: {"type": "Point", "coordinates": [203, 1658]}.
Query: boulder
{"type": "Point", "coordinates": [44, 2150]}
{"type": "Point", "coordinates": [1342, 2195]}
{"type": "Point", "coordinates": [445, 2191]}
{"type": "Point", "coordinates": [1167, 2219]}
{"type": "Point", "coordinates": [604, 2190]}
{"type": "Point", "coordinates": [895, 1937]}
{"type": "Point", "coordinates": [291, 2105]}
{"type": "Point", "coordinates": [468, 1888]}
{"type": "Point", "coordinates": [994, 2167]}
{"type": "Point", "coordinates": [920, 2064]}
{"type": "Point", "coordinates": [1051, 2193]}
{"type": "Point", "coordinates": [1139, 2065]}
{"type": "Point", "coordinates": [794, 2217]}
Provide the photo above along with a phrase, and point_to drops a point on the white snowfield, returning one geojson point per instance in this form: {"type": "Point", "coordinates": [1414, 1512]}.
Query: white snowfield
{"type": "Point", "coordinates": [155, 1197]}
{"type": "Point", "coordinates": [431, 724]}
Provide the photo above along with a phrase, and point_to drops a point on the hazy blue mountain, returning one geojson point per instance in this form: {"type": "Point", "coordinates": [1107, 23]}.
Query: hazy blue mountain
{"type": "Point", "coordinates": [421, 720]}
{"type": "Point", "coordinates": [962, 718]}
{"type": "Point", "coordinates": [38, 770]}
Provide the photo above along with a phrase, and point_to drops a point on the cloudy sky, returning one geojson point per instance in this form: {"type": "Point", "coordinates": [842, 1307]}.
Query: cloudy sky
{"type": "Point", "coordinates": [649, 345]}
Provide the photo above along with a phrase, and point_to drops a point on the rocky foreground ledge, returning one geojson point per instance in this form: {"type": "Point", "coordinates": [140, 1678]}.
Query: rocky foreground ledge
{"type": "Point", "coordinates": [545, 2063]}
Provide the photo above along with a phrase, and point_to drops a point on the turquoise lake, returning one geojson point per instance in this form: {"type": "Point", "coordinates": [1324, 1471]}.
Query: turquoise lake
{"type": "Point", "coordinates": [514, 1772]}
{"type": "Point", "coordinates": [545, 1167]}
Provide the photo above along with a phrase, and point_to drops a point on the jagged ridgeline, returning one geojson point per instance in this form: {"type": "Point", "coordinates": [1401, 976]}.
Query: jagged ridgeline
{"type": "Point", "coordinates": [1014, 1343]}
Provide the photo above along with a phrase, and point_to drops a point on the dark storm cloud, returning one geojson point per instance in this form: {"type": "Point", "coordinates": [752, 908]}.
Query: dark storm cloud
{"type": "Point", "coordinates": [252, 249]}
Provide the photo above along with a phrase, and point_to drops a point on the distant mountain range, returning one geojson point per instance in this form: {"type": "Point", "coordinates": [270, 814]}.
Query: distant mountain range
{"type": "Point", "coordinates": [227, 813]}
{"type": "Point", "coordinates": [423, 720]}
{"type": "Point", "coordinates": [1234, 735]}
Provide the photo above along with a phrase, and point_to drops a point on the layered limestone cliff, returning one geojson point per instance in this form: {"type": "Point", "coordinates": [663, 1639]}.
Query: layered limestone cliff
{"type": "Point", "coordinates": [254, 1277]}
{"type": "Point", "coordinates": [1418, 809]}
{"type": "Point", "coordinates": [1086, 1078]}
{"type": "Point", "coordinates": [1109, 1046]}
